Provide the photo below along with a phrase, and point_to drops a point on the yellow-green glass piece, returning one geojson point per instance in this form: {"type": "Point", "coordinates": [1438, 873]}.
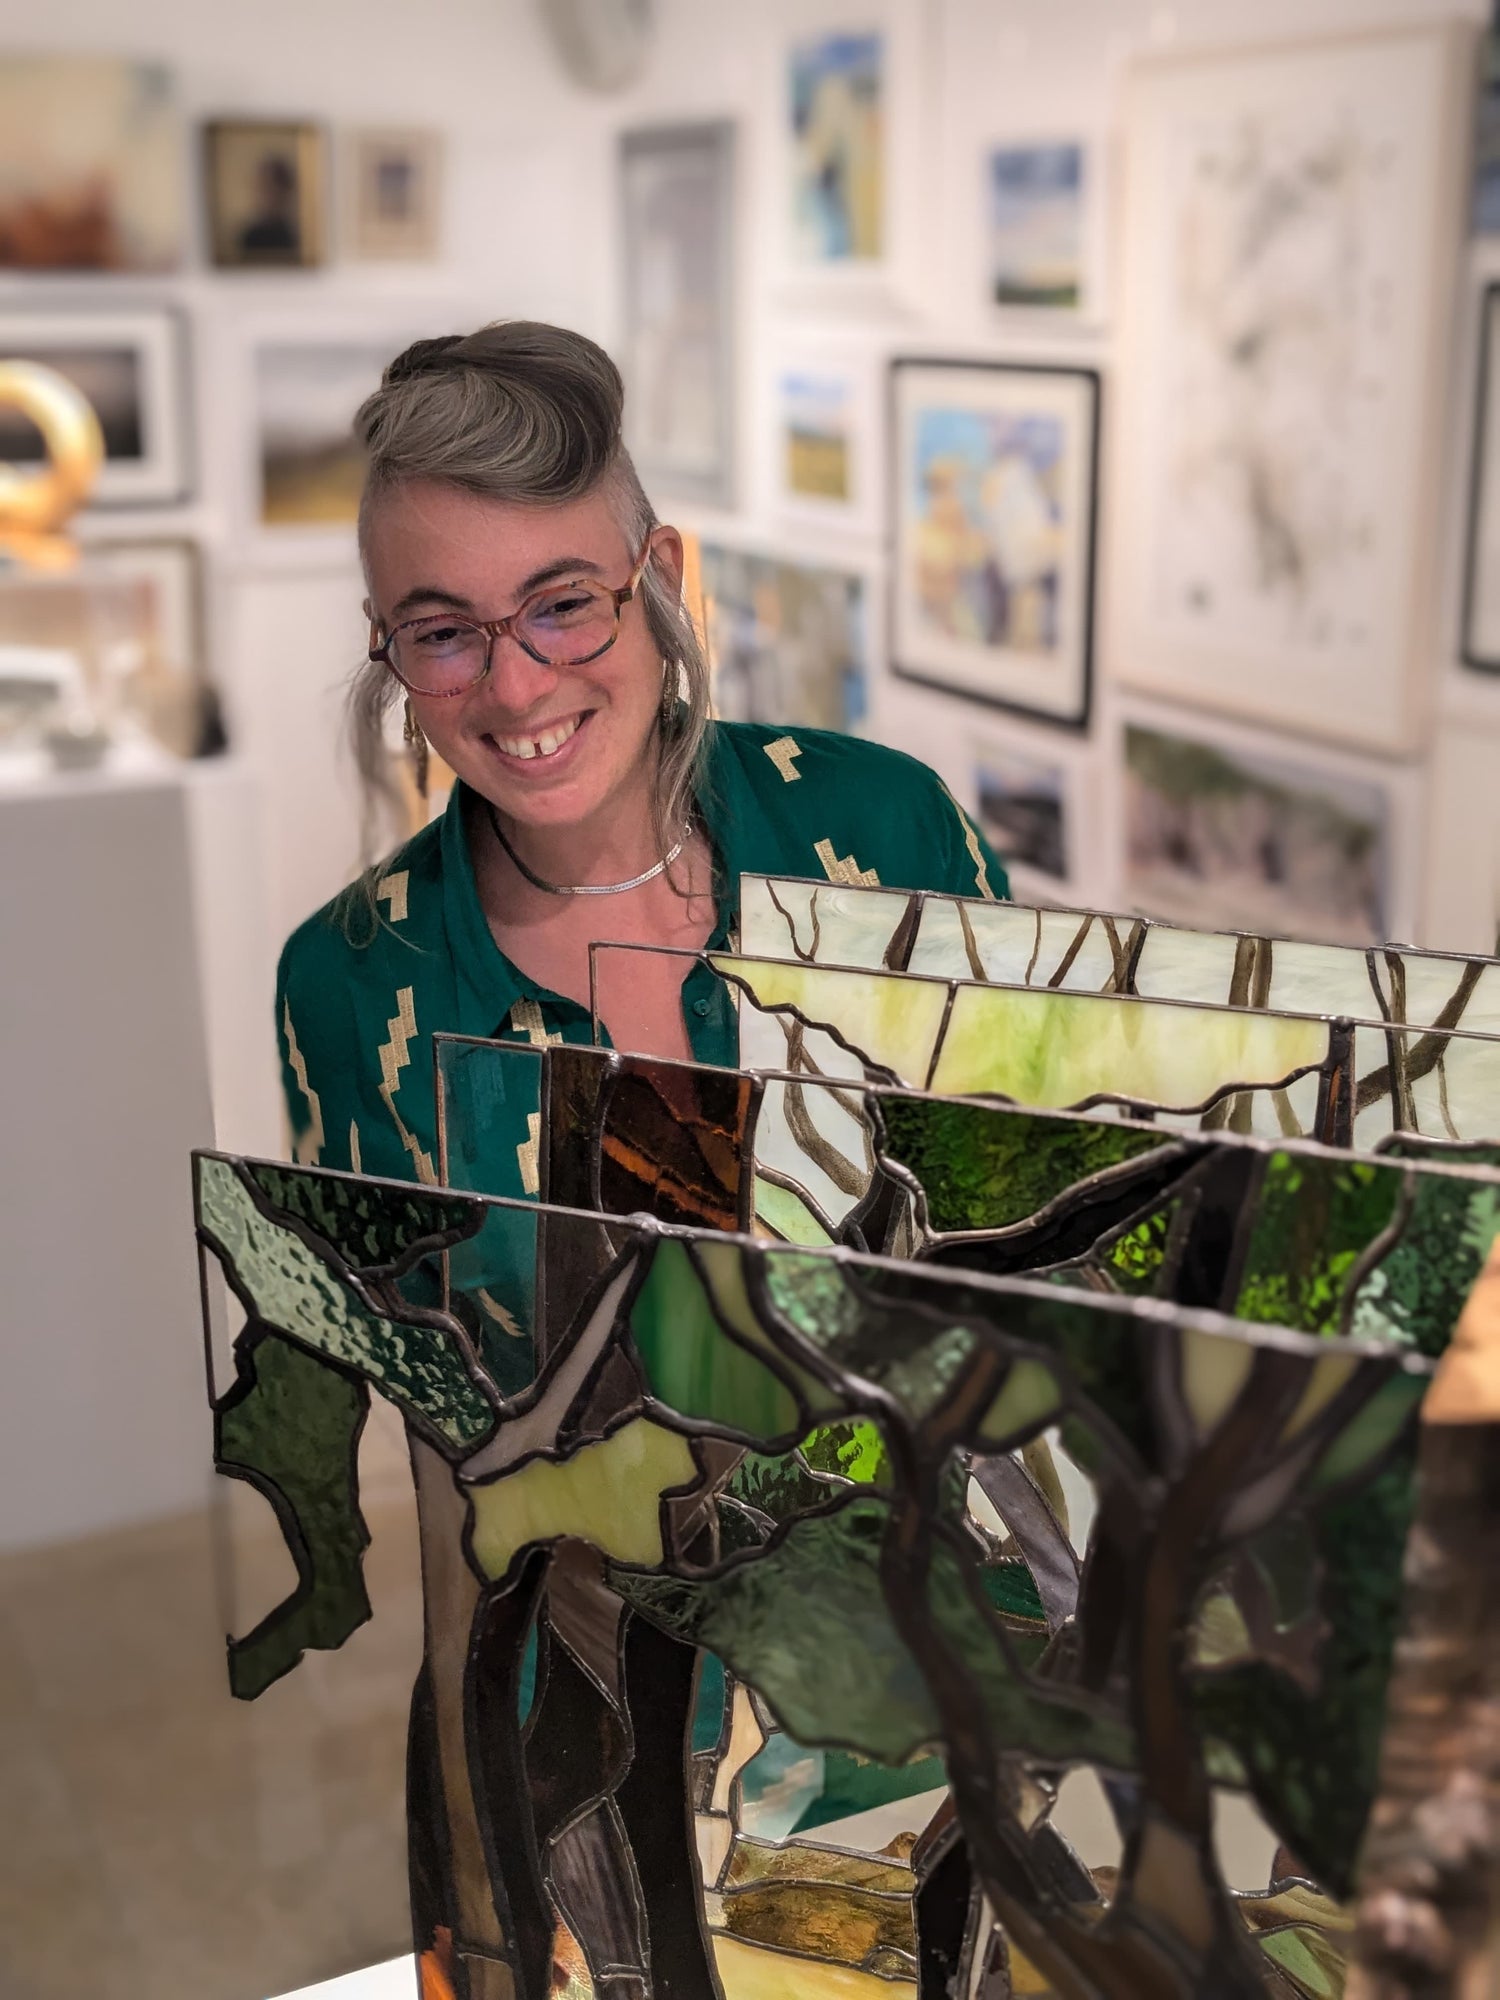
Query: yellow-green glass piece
{"type": "Point", "coordinates": [892, 1022]}
{"type": "Point", "coordinates": [1061, 1049]}
{"type": "Point", "coordinates": [607, 1493]}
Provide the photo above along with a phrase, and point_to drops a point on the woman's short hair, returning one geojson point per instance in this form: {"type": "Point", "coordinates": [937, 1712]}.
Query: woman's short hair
{"type": "Point", "coordinates": [533, 415]}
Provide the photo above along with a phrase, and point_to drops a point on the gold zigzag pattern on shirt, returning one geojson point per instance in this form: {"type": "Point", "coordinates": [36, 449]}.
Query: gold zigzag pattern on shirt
{"type": "Point", "coordinates": [847, 871]}
{"type": "Point", "coordinates": [529, 1154]}
{"type": "Point", "coordinates": [976, 852]}
{"type": "Point", "coordinates": [392, 890]}
{"type": "Point", "coordinates": [393, 1059]}
{"type": "Point", "coordinates": [308, 1144]}
{"type": "Point", "coordinates": [503, 1318]}
{"type": "Point", "coordinates": [526, 1019]}
{"type": "Point", "coordinates": [781, 753]}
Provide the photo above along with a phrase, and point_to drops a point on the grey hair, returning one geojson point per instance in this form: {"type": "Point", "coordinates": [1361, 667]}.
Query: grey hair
{"type": "Point", "coordinates": [530, 414]}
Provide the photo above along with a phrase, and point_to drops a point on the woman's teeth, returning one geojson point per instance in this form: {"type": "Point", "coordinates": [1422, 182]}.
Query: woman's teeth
{"type": "Point", "coordinates": [545, 745]}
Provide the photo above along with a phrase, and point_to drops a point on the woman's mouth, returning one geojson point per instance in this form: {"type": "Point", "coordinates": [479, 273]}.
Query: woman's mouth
{"type": "Point", "coordinates": [542, 743]}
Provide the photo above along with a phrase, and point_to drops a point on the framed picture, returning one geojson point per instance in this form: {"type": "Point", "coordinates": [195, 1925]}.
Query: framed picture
{"type": "Point", "coordinates": [787, 641]}
{"type": "Point", "coordinates": [1043, 227]}
{"type": "Point", "coordinates": [267, 197]}
{"type": "Point", "coordinates": [132, 366]}
{"type": "Point", "coordinates": [172, 688]}
{"type": "Point", "coordinates": [91, 165]}
{"type": "Point", "coordinates": [677, 196]}
{"type": "Point", "coordinates": [306, 393]}
{"type": "Point", "coordinates": [826, 435]}
{"type": "Point", "coordinates": [1481, 626]}
{"type": "Point", "coordinates": [836, 121]}
{"type": "Point", "coordinates": [1292, 219]}
{"type": "Point", "coordinates": [1227, 829]}
{"type": "Point", "coordinates": [394, 193]}
{"type": "Point", "coordinates": [993, 476]}
{"type": "Point", "coordinates": [1024, 804]}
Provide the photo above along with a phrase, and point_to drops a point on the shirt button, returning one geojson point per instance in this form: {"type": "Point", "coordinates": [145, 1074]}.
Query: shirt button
{"type": "Point", "coordinates": [700, 1008]}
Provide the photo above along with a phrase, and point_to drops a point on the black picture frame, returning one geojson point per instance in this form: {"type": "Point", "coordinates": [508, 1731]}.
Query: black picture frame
{"type": "Point", "coordinates": [975, 667]}
{"type": "Point", "coordinates": [1481, 652]}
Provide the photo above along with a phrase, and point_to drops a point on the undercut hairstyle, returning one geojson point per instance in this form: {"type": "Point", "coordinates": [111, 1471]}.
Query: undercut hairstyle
{"type": "Point", "coordinates": [531, 415]}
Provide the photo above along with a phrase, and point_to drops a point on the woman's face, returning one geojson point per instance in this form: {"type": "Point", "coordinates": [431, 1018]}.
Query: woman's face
{"type": "Point", "coordinates": [432, 548]}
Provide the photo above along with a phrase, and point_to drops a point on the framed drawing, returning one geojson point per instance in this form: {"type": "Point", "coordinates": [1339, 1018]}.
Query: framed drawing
{"type": "Point", "coordinates": [1292, 218]}
{"type": "Point", "coordinates": [993, 477]}
{"type": "Point", "coordinates": [91, 168]}
{"type": "Point", "coordinates": [788, 641]}
{"type": "Point", "coordinates": [1481, 615]}
{"type": "Point", "coordinates": [1222, 828]}
{"type": "Point", "coordinates": [266, 191]}
{"type": "Point", "coordinates": [132, 366]}
{"type": "Point", "coordinates": [394, 193]}
{"type": "Point", "coordinates": [677, 198]}
{"type": "Point", "coordinates": [172, 688]}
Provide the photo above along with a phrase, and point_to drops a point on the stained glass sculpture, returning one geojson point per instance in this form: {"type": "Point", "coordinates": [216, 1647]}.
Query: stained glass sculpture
{"type": "Point", "coordinates": [876, 1540]}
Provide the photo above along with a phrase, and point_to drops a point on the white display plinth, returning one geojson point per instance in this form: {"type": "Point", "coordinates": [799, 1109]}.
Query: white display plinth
{"type": "Point", "coordinates": [396, 1980]}
{"type": "Point", "coordinates": [104, 1091]}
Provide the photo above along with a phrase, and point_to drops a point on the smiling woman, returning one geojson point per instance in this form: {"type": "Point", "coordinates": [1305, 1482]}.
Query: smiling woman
{"type": "Point", "coordinates": [526, 605]}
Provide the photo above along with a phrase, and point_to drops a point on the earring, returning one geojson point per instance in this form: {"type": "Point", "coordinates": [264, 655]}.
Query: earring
{"type": "Point", "coordinates": [669, 687]}
{"type": "Point", "coordinates": [416, 750]}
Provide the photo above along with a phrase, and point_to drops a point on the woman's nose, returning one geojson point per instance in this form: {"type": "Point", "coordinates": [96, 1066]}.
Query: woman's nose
{"type": "Point", "coordinates": [516, 682]}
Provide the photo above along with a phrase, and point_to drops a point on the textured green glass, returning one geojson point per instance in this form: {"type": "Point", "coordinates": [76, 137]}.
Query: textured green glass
{"type": "Point", "coordinates": [305, 1297]}
{"type": "Point", "coordinates": [291, 1427]}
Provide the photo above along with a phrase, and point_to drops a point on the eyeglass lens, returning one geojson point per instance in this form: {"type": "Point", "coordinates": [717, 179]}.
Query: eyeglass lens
{"type": "Point", "coordinates": [563, 627]}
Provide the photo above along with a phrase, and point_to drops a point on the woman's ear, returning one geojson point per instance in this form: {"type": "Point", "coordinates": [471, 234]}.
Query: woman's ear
{"type": "Point", "coordinates": [667, 558]}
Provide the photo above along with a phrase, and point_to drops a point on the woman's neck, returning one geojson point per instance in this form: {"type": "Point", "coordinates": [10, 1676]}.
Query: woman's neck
{"type": "Point", "coordinates": [616, 843]}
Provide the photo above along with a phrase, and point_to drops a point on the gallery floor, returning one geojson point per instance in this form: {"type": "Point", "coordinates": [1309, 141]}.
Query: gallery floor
{"type": "Point", "coordinates": [162, 1839]}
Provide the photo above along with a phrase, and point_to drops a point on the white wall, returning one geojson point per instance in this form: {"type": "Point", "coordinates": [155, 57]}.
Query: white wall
{"type": "Point", "coordinates": [531, 230]}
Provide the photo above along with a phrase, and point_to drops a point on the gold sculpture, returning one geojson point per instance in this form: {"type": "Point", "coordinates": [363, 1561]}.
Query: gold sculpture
{"type": "Point", "coordinates": [36, 502]}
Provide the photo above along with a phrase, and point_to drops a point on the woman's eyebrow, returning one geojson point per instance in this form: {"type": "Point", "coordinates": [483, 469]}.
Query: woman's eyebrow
{"type": "Point", "coordinates": [429, 593]}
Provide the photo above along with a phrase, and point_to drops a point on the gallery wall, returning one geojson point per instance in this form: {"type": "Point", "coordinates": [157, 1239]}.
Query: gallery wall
{"type": "Point", "coordinates": [531, 225]}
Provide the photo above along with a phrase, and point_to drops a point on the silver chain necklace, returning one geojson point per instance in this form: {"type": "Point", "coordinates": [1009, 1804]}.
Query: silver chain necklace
{"type": "Point", "coordinates": [584, 888]}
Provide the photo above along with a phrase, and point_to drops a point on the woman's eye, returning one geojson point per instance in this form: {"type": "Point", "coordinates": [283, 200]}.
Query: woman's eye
{"type": "Point", "coordinates": [568, 606]}
{"type": "Point", "coordinates": [440, 635]}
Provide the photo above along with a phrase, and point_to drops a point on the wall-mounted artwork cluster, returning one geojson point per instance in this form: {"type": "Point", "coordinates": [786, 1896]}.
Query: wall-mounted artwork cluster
{"type": "Point", "coordinates": [1168, 486]}
{"type": "Point", "coordinates": [872, 1537]}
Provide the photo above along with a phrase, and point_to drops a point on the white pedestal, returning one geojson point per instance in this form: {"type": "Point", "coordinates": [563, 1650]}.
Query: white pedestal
{"type": "Point", "coordinates": [396, 1980]}
{"type": "Point", "coordinates": [103, 1092]}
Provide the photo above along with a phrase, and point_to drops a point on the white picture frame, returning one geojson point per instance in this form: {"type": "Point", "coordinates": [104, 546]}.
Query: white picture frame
{"type": "Point", "coordinates": [1035, 796]}
{"type": "Point", "coordinates": [1027, 221]}
{"type": "Point", "coordinates": [677, 214]}
{"type": "Point", "coordinates": [803, 43]}
{"type": "Point", "coordinates": [131, 362]}
{"type": "Point", "coordinates": [813, 382]}
{"type": "Point", "coordinates": [1285, 890]}
{"type": "Point", "coordinates": [393, 193]}
{"type": "Point", "coordinates": [992, 574]}
{"type": "Point", "coordinates": [173, 566]}
{"type": "Point", "coordinates": [1273, 537]}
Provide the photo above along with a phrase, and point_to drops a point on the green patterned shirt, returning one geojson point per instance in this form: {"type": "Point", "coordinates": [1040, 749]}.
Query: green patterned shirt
{"type": "Point", "coordinates": [355, 1020]}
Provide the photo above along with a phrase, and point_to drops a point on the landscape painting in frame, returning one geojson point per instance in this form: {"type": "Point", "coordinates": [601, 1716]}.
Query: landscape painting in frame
{"type": "Point", "coordinates": [91, 169]}
{"type": "Point", "coordinates": [994, 491]}
{"type": "Point", "coordinates": [677, 196]}
{"type": "Point", "coordinates": [1220, 837]}
{"type": "Point", "coordinates": [306, 395]}
{"type": "Point", "coordinates": [817, 435]}
{"type": "Point", "coordinates": [131, 366]}
{"type": "Point", "coordinates": [837, 112]}
{"type": "Point", "coordinates": [1292, 228]}
{"type": "Point", "coordinates": [1022, 805]}
{"type": "Point", "coordinates": [1035, 225]}
{"type": "Point", "coordinates": [786, 641]}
